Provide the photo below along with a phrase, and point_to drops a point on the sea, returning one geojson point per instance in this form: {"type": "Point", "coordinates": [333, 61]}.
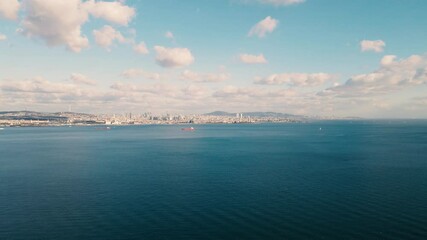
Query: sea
{"type": "Point", "coordinates": [362, 179]}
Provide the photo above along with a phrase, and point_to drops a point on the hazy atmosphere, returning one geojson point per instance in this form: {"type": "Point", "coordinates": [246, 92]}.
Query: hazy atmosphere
{"type": "Point", "coordinates": [330, 58]}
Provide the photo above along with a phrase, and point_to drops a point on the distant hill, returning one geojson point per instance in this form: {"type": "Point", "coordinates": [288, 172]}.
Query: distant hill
{"type": "Point", "coordinates": [254, 114]}
{"type": "Point", "coordinates": [270, 114]}
{"type": "Point", "coordinates": [220, 114]}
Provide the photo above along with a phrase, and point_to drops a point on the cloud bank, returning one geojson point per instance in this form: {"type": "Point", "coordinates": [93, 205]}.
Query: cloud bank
{"type": "Point", "coordinates": [296, 79]}
{"type": "Point", "coordinates": [391, 76]}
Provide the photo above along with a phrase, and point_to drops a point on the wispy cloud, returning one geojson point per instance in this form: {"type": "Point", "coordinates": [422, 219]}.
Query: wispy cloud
{"type": "Point", "coordinates": [276, 3]}
{"type": "Point", "coordinates": [252, 59]}
{"type": "Point", "coordinates": [265, 26]}
{"type": "Point", "coordinates": [372, 45]}
{"type": "Point", "coordinates": [79, 78]}
{"type": "Point", "coordinates": [204, 77]}
{"type": "Point", "coordinates": [141, 48]}
{"type": "Point", "coordinates": [281, 2]}
{"type": "Point", "coordinates": [169, 35]}
{"type": "Point", "coordinates": [137, 73]}
{"type": "Point", "coordinates": [296, 79]}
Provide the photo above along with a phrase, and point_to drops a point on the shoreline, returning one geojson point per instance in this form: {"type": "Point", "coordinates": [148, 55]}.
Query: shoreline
{"type": "Point", "coordinates": [145, 124]}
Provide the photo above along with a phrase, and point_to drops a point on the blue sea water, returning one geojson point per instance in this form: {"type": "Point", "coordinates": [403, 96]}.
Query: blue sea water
{"type": "Point", "coordinates": [349, 180]}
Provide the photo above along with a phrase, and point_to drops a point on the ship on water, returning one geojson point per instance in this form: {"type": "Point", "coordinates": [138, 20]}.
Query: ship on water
{"type": "Point", "coordinates": [103, 128]}
{"type": "Point", "coordinates": [188, 129]}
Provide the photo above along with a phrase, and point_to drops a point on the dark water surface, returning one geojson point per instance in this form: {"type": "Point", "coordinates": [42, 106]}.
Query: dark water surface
{"type": "Point", "coordinates": [350, 180]}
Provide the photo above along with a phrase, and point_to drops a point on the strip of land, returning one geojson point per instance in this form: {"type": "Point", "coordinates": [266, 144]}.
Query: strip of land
{"type": "Point", "coordinates": [31, 118]}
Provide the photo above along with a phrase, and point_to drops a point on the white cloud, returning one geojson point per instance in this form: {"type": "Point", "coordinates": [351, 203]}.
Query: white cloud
{"type": "Point", "coordinates": [233, 91]}
{"type": "Point", "coordinates": [48, 95]}
{"type": "Point", "coordinates": [163, 92]}
{"type": "Point", "coordinates": [419, 102]}
{"type": "Point", "coordinates": [296, 79]}
{"type": "Point", "coordinates": [173, 57]}
{"type": "Point", "coordinates": [281, 2]}
{"type": "Point", "coordinates": [204, 77]}
{"type": "Point", "coordinates": [82, 79]}
{"type": "Point", "coordinates": [169, 35]}
{"type": "Point", "coordinates": [114, 12]}
{"type": "Point", "coordinates": [158, 89]}
{"type": "Point", "coordinates": [372, 45]}
{"type": "Point", "coordinates": [165, 96]}
{"type": "Point", "coordinates": [56, 22]}
{"type": "Point", "coordinates": [2, 37]}
{"type": "Point", "coordinates": [42, 95]}
{"type": "Point", "coordinates": [252, 98]}
{"type": "Point", "coordinates": [136, 73]}
{"type": "Point", "coordinates": [388, 59]}
{"type": "Point", "coordinates": [141, 48]}
{"type": "Point", "coordinates": [195, 91]}
{"type": "Point", "coordinates": [392, 76]}
{"type": "Point", "coordinates": [267, 99]}
{"type": "Point", "coordinates": [252, 59]}
{"type": "Point", "coordinates": [36, 85]}
{"type": "Point", "coordinates": [9, 9]}
{"type": "Point", "coordinates": [263, 27]}
{"type": "Point", "coordinates": [105, 36]}
{"type": "Point", "coordinates": [60, 22]}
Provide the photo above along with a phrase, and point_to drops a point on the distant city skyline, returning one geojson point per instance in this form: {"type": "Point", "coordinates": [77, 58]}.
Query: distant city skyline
{"type": "Point", "coordinates": [329, 58]}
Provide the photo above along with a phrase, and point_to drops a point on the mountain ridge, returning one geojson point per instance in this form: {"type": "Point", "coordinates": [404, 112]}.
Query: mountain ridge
{"type": "Point", "coordinates": [253, 114]}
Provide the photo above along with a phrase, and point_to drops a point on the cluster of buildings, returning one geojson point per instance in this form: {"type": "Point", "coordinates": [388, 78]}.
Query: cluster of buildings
{"type": "Point", "coordinates": [19, 119]}
{"type": "Point", "coordinates": [148, 118]}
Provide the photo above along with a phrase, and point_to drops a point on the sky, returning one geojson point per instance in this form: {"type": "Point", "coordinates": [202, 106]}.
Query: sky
{"type": "Point", "coordinates": [339, 58]}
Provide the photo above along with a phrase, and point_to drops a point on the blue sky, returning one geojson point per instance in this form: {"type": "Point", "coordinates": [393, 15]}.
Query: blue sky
{"type": "Point", "coordinates": [320, 57]}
